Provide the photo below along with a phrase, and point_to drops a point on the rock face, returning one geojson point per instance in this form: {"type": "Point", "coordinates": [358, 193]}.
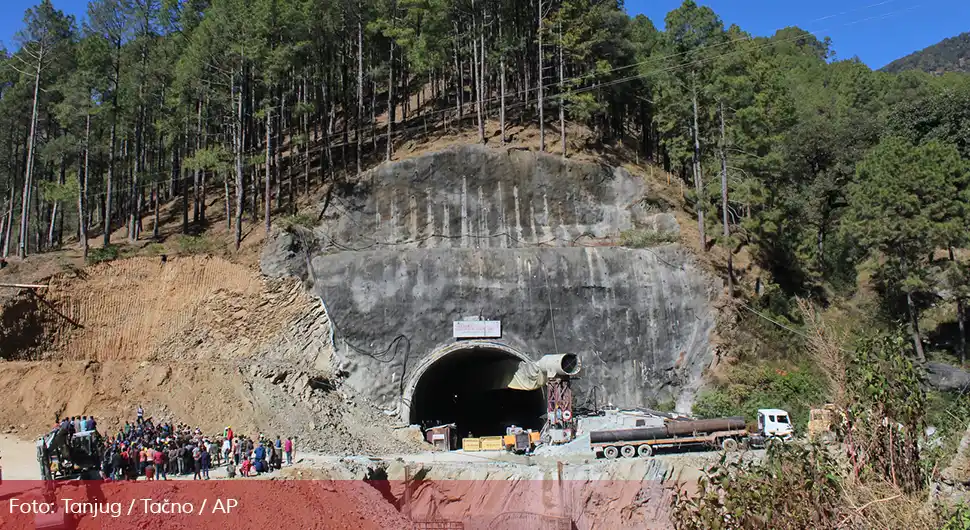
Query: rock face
{"type": "Point", "coordinates": [529, 240]}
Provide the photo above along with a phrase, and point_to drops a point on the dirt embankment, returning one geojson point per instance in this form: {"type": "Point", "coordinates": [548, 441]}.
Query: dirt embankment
{"type": "Point", "coordinates": [194, 339]}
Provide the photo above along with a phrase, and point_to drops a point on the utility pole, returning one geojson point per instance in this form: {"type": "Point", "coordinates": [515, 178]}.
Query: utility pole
{"type": "Point", "coordinates": [724, 208]}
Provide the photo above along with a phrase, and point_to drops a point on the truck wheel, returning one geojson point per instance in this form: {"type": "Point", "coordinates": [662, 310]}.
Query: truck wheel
{"type": "Point", "coordinates": [645, 451]}
{"type": "Point", "coordinates": [611, 452]}
{"type": "Point", "coordinates": [628, 451]}
{"type": "Point", "coordinates": [729, 445]}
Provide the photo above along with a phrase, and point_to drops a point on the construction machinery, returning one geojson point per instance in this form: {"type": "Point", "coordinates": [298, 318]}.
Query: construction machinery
{"type": "Point", "coordinates": [62, 455]}
{"type": "Point", "coordinates": [822, 423]}
{"type": "Point", "coordinates": [560, 424]}
{"type": "Point", "coordinates": [516, 440]}
{"type": "Point", "coordinates": [774, 425]}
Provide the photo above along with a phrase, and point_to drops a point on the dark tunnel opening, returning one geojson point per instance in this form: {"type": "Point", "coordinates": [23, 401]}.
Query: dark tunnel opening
{"type": "Point", "coordinates": [460, 389]}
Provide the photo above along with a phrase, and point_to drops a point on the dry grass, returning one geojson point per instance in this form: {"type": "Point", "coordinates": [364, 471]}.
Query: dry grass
{"type": "Point", "coordinates": [826, 343]}
{"type": "Point", "coordinates": [881, 505]}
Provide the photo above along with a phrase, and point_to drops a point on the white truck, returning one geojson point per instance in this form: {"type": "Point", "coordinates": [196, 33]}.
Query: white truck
{"type": "Point", "coordinates": [726, 433]}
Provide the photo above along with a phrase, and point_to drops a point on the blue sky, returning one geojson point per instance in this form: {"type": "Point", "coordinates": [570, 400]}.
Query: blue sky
{"type": "Point", "coordinates": [877, 31]}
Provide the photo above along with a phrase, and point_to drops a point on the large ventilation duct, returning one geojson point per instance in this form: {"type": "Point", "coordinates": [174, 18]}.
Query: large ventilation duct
{"type": "Point", "coordinates": [560, 365]}
{"type": "Point", "coordinates": [517, 374]}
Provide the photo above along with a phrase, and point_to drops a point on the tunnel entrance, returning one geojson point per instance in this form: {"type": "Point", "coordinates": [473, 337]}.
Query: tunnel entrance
{"type": "Point", "coordinates": [465, 388]}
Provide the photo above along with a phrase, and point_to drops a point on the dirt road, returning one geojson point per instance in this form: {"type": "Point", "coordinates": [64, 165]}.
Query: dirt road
{"type": "Point", "coordinates": [18, 459]}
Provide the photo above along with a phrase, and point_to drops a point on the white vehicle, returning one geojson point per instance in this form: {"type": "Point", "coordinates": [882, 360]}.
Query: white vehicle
{"type": "Point", "coordinates": [775, 423]}
{"type": "Point", "coordinates": [726, 433]}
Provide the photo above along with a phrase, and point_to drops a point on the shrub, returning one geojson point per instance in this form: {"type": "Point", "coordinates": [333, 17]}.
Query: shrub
{"type": "Point", "coordinates": [154, 249]}
{"type": "Point", "coordinates": [299, 220]}
{"type": "Point", "coordinates": [195, 245]}
{"type": "Point", "coordinates": [793, 488]}
{"type": "Point", "coordinates": [793, 388]}
{"type": "Point", "coordinates": [643, 238]}
{"type": "Point", "coordinates": [101, 255]}
{"type": "Point", "coordinates": [957, 519]}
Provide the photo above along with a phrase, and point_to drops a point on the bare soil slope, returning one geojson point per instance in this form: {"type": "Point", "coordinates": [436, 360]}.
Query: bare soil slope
{"type": "Point", "coordinates": [195, 339]}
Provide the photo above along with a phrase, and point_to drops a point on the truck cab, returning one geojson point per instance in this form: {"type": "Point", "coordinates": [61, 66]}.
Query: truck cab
{"type": "Point", "coordinates": [775, 423]}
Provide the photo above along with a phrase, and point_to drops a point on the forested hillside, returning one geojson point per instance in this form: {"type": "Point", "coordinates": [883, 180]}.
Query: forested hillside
{"type": "Point", "coordinates": [812, 167]}
{"type": "Point", "coordinates": [949, 55]}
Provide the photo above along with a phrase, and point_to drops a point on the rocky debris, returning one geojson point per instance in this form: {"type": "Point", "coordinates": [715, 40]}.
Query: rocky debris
{"type": "Point", "coordinates": [946, 377]}
{"type": "Point", "coordinates": [958, 472]}
{"type": "Point", "coordinates": [198, 339]}
{"type": "Point", "coordinates": [579, 446]}
{"type": "Point", "coordinates": [481, 493]}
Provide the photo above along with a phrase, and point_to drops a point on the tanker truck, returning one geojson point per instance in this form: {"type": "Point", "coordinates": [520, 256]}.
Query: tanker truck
{"type": "Point", "coordinates": [726, 433]}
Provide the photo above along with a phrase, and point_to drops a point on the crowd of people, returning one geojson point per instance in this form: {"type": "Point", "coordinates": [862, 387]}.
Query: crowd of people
{"type": "Point", "coordinates": [158, 450]}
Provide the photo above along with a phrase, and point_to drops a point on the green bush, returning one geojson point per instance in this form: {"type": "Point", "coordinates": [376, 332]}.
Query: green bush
{"type": "Point", "coordinates": [299, 220]}
{"type": "Point", "coordinates": [643, 238]}
{"type": "Point", "coordinates": [958, 519]}
{"type": "Point", "coordinates": [101, 255]}
{"type": "Point", "coordinates": [794, 487]}
{"type": "Point", "coordinates": [950, 413]}
{"type": "Point", "coordinates": [195, 245]}
{"type": "Point", "coordinates": [154, 249]}
{"type": "Point", "coordinates": [793, 388]}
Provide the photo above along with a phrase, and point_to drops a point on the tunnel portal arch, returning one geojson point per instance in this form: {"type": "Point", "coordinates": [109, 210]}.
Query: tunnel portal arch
{"type": "Point", "coordinates": [444, 387]}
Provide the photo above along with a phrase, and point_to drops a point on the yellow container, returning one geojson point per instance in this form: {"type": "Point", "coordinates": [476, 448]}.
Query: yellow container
{"type": "Point", "coordinates": [471, 444]}
{"type": "Point", "coordinates": [493, 443]}
{"type": "Point", "coordinates": [509, 440]}
{"type": "Point", "coordinates": [534, 436]}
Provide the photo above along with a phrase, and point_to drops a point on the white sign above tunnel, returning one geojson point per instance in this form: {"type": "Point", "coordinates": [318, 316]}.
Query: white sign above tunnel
{"type": "Point", "coordinates": [478, 329]}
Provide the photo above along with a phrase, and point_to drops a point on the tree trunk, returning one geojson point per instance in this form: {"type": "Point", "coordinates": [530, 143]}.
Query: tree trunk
{"type": "Point", "coordinates": [539, 102]}
{"type": "Point", "coordinates": [373, 115]}
{"type": "Point", "coordinates": [228, 201]}
{"type": "Point", "coordinates": [331, 116]}
{"type": "Point", "coordinates": [698, 177]}
{"type": "Point", "coordinates": [82, 196]}
{"type": "Point", "coordinates": [196, 172]}
{"type": "Point", "coordinates": [9, 229]}
{"type": "Point", "coordinates": [156, 199]}
{"type": "Point", "coordinates": [28, 175]}
{"type": "Point", "coordinates": [360, 85]}
{"type": "Point", "coordinates": [390, 105]}
{"type": "Point", "coordinates": [914, 327]}
{"type": "Point", "coordinates": [106, 214]}
{"type": "Point", "coordinates": [306, 143]}
{"type": "Point", "coordinates": [291, 187]}
{"type": "Point", "coordinates": [724, 209]}
{"type": "Point", "coordinates": [562, 95]}
{"type": "Point", "coordinates": [459, 79]}
{"type": "Point", "coordinates": [961, 322]}
{"type": "Point", "coordinates": [3, 222]}
{"type": "Point", "coordinates": [478, 66]}
{"type": "Point", "coordinates": [477, 79]}
{"type": "Point", "coordinates": [183, 181]}
{"type": "Point", "coordinates": [52, 223]}
{"type": "Point", "coordinates": [134, 216]}
{"type": "Point", "coordinates": [268, 203]}
{"type": "Point", "coordinates": [501, 114]}
{"type": "Point", "coordinates": [240, 183]}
